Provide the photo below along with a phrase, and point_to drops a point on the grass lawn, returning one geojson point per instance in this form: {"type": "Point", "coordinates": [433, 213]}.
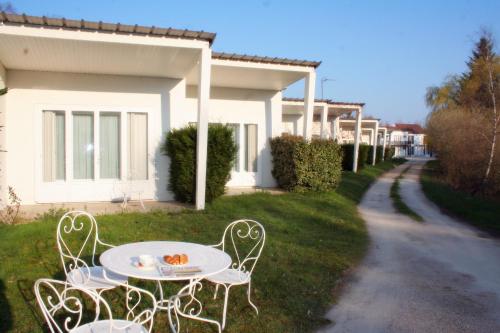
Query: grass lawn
{"type": "Point", "coordinates": [312, 239]}
{"type": "Point", "coordinates": [398, 202]}
{"type": "Point", "coordinates": [480, 212]}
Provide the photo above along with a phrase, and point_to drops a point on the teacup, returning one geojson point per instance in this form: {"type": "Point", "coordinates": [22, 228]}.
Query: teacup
{"type": "Point", "coordinates": [146, 260]}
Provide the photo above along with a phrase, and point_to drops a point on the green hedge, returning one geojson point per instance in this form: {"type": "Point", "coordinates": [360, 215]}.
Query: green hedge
{"type": "Point", "coordinates": [389, 153]}
{"type": "Point", "coordinates": [180, 146]}
{"type": "Point", "coordinates": [348, 155]}
{"type": "Point", "coordinates": [301, 166]}
{"type": "Point", "coordinates": [380, 151]}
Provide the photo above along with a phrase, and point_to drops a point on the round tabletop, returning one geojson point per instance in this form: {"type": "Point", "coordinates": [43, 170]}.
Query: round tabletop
{"type": "Point", "coordinates": [123, 260]}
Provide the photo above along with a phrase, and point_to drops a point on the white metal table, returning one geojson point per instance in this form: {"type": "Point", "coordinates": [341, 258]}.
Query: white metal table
{"type": "Point", "coordinates": [123, 260]}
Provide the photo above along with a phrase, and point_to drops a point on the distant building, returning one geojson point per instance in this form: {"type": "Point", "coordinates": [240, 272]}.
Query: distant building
{"type": "Point", "coordinates": [407, 139]}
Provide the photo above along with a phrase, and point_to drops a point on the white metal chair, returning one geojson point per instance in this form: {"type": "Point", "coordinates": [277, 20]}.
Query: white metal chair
{"type": "Point", "coordinates": [78, 237]}
{"type": "Point", "coordinates": [185, 304]}
{"type": "Point", "coordinates": [70, 308]}
{"type": "Point", "coordinates": [237, 234]}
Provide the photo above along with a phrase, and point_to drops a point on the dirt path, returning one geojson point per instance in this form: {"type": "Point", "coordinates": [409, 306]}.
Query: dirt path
{"type": "Point", "coordinates": [435, 276]}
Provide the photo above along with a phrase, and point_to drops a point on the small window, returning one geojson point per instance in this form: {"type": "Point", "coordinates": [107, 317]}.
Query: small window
{"type": "Point", "coordinates": [251, 148]}
{"type": "Point", "coordinates": [236, 139]}
{"type": "Point", "coordinates": [109, 145]}
{"type": "Point", "coordinates": [138, 146]}
{"type": "Point", "coordinates": [83, 145]}
{"type": "Point", "coordinates": [54, 146]}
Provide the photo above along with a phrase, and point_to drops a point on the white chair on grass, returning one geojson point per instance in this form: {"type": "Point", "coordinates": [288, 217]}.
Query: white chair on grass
{"type": "Point", "coordinates": [72, 309]}
{"type": "Point", "coordinates": [244, 240]}
{"type": "Point", "coordinates": [77, 240]}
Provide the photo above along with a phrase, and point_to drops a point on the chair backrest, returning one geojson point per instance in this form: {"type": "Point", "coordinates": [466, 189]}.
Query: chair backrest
{"type": "Point", "coordinates": [77, 238]}
{"type": "Point", "coordinates": [244, 240]}
{"type": "Point", "coordinates": [66, 307]}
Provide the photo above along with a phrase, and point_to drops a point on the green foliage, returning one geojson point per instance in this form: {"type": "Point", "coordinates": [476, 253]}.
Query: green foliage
{"type": "Point", "coordinates": [479, 211]}
{"type": "Point", "coordinates": [303, 229]}
{"type": "Point", "coordinates": [180, 146]}
{"type": "Point", "coordinates": [389, 153]}
{"type": "Point", "coordinates": [302, 166]}
{"type": "Point", "coordinates": [348, 155]}
{"type": "Point", "coordinates": [380, 151]}
{"type": "Point", "coordinates": [398, 202]}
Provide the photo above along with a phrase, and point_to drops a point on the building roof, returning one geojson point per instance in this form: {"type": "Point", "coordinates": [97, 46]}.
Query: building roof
{"type": "Point", "coordinates": [328, 101]}
{"type": "Point", "coordinates": [265, 60]}
{"type": "Point", "coordinates": [412, 128]}
{"type": "Point", "coordinates": [71, 24]}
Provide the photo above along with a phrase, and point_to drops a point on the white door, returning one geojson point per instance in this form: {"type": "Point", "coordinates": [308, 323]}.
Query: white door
{"type": "Point", "coordinates": [245, 171]}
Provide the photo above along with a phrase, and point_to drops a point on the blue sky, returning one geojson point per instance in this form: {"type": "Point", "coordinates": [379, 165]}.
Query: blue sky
{"type": "Point", "coordinates": [383, 53]}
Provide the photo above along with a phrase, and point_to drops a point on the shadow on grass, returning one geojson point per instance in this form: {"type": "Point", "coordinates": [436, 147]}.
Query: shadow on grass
{"type": "Point", "coordinates": [5, 310]}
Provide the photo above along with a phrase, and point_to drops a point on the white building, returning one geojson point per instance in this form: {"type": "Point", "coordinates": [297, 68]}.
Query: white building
{"type": "Point", "coordinates": [88, 105]}
{"type": "Point", "coordinates": [407, 139]}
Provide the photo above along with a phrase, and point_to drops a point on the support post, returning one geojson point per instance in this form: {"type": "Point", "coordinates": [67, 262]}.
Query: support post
{"type": "Point", "coordinates": [336, 129]}
{"type": "Point", "coordinates": [384, 140]}
{"type": "Point", "coordinates": [309, 89]}
{"type": "Point", "coordinates": [202, 126]}
{"type": "Point", "coordinates": [324, 121]}
{"type": "Point", "coordinates": [357, 137]}
{"type": "Point", "coordinates": [375, 137]}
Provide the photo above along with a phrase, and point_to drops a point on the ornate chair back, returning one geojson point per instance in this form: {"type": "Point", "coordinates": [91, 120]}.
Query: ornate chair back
{"type": "Point", "coordinates": [244, 241]}
{"type": "Point", "coordinates": [77, 239]}
{"type": "Point", "coordinates": [66, 307]}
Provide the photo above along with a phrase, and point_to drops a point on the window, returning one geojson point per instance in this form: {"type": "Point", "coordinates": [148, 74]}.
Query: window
{"type": "Point", "coordinates": [109, 145]}
{"type": "Point", "coordinates": [138, 146]}
{"type": "Point", "coordinates": [83, 145]}
{"type": "Point", "coordinates": [251, 148]}
{"type": "Point", "coordinates": [236, 138]}
{"type": "Point", "coordinates": [53, 141]}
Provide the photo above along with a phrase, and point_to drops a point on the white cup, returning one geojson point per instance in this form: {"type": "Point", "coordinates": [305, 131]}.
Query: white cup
{"type": "Point", "coordinates": [146, 260]}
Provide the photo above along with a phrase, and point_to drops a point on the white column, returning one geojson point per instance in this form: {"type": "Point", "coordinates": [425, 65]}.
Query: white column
{"type": "Point", "coordinates": [375, 137]}
{"type": "Point", "coordinates": [324, 121]}
{"type": "Point", "coordinates": [357, 137]}
{"type": "Point", "coordinates": [384, 140]}
{"type": "Point", "coordinates": [309, 89]}
{"type": "Point", "coordinates": [3, 153]}
{"type": "Point", "coordinates": [336, 129]}
{"type": "Point", "coordinates": [202, 126]}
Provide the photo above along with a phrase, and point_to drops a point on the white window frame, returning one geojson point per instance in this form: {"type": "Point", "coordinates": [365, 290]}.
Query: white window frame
{"type": "Point", "coordinates": [65, 185]}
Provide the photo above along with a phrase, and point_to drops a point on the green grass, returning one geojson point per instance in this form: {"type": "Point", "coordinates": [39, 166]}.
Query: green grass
{"type": "Point", "coordinates": [481, 212]}
{"type": "Point", "coordinates": [312, 239]}
{"type": "Point", "coordinates": [398, 202]}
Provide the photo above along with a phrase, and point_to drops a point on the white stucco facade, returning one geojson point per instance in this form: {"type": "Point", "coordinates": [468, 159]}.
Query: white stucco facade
{"type": "Point", "coordinates": [81, 77]}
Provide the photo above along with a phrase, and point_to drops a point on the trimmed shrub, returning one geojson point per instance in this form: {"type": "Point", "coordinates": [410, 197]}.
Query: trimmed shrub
{"type": "Point", "coordinates": [301, 166]}
{"type": "Point", "coordinates": [282, 150]}
{"type": "Point", "coordinates": [378, 157]}
{"type": "Point", "coordinates": [180, 146]}
{"type": "Point", "coordinates": [380, 151]}
{"type": "Point", "coordinates": [389, 153]}
{"type": "Point", "coordinates": [348, 155]}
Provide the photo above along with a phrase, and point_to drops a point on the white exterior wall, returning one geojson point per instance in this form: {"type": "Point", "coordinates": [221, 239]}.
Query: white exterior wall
{"type": "Point", "coordinates": [242, 106]}
{"type": "Point", "coordinates": [3, 103]}
{"type": "Point", "coordinates": [31, 92]}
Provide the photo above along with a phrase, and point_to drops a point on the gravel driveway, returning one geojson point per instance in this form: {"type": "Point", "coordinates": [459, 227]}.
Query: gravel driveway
{"type": "Point", "coordinates": [435, 276]}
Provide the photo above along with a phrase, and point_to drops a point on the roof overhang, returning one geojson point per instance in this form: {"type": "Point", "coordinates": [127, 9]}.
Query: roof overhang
{"type": "Point", "coordinates": [38, 48]}
{"type": "Point", "coordinates": [296, 106]}
{"type": "Point", "coordinates": [365, 123]}
{"type": "Point", "coordinates": [253, 75]}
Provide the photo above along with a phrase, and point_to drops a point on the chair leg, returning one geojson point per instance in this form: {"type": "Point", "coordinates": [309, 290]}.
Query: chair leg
{"type": "Point", "coordinates": [249, 300]}
{"type": "Point", "coordinates": [224, 311]}
{"type": "Point", "coordinates": [216, 290]}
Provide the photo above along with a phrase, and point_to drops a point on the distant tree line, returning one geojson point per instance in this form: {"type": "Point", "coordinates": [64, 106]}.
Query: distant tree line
{"type": "Point", "coordinates": [464, 124]}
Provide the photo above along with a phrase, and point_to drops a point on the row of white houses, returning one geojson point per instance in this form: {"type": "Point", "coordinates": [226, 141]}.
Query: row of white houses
{"type": "Point", "coordinates": [89, 103]}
